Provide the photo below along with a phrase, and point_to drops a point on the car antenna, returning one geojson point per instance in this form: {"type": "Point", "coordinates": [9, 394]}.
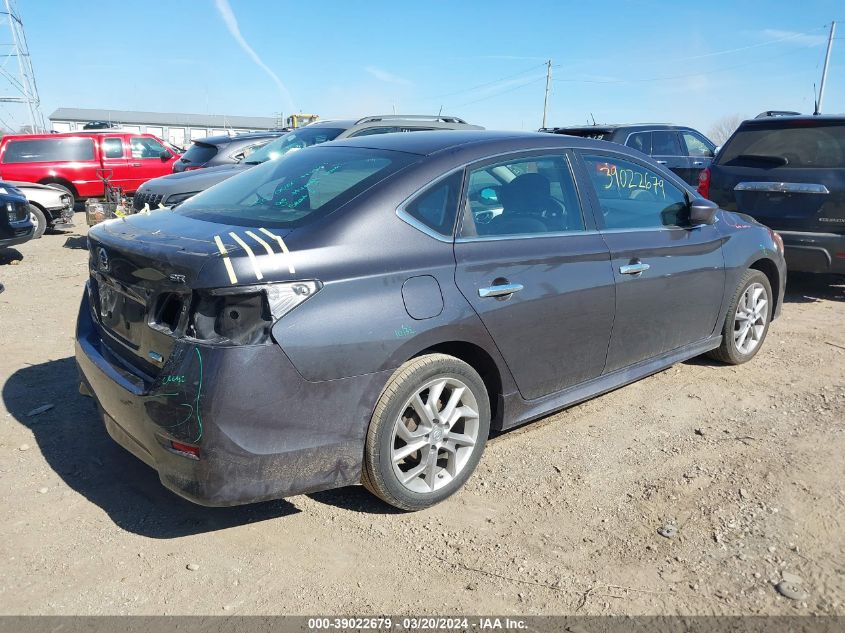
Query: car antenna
{"type": "Point", "coordinates": [593, 118]}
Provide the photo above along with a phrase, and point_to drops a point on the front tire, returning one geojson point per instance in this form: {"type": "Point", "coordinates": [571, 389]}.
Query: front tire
{"type": "Point", "coordinates": [38, 218]}
{"type": "Point", "coordinates": [747, 320]}
{"type": "Point", "coordinates": [427, 433]}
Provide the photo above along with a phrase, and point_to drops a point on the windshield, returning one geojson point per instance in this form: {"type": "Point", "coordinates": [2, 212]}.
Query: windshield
{"type": "Point", "coordinates": [295, 190]}
{"type": "Point", "coordinates": [304, 137]}
{"type": "Point", "coordinates": [799, 144]}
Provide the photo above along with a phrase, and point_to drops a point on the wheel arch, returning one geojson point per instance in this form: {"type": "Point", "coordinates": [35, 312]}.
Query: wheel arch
{"type": "Point", "coordinates": [481, 361]}
{"type": "Point", "coordinates": [770, 269]}
{"type": "Point", "coordinates": [56, 180]}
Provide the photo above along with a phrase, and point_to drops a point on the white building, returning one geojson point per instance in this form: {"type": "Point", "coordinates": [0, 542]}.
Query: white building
{"type": "Point", "coordinates": [179, 129]}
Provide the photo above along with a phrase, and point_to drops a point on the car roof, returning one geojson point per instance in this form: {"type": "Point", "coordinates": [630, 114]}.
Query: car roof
{"type": "Point", "coordinates": [225, 139]}
{"type": "Point", "coordinates": [830, 118]}
{"type": "Point", "coordinates": [617, 126]}
{"type": "Point", "coordinates": [428, 142]}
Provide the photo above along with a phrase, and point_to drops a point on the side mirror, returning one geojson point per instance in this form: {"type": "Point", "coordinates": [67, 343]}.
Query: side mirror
{"type": "Point", "coordinates": [702, 211]}
{"type": "Point", "coordinates": [165, 155]}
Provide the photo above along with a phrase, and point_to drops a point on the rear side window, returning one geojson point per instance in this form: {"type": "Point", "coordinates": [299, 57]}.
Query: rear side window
{"type": "Point", "coordinates": [807, 145]}
{"type": "Point", "coordinates": [199, 153]}
{"type": "Point", "coordinates": [112, 148]}
{"type": "Point", "coordinates": [437, 206]}
{"type": "Point", "coordinates": [49, 150]}
{"type": "Point", "coordinates": [531, 195]}
{"type": "Point", "coordinates": [665, 143]}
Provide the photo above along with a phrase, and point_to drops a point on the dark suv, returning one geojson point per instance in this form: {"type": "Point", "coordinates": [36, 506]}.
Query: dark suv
{"type": "Point", "coordinates": [175, 188]}
{"type": "Point", "coordinates": [682, 149]}
{"type": "Point", "coordinates": [222, 150]}
{"type": "Point", "coordinates": [788, 172]}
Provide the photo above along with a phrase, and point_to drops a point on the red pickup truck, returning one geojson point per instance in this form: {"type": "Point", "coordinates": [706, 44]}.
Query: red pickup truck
{"type": "Point", "coordinates": [75, 161]}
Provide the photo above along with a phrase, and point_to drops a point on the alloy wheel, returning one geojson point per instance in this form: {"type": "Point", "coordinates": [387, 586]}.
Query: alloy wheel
{"type": "Point", "coordinates": [435, 435]}
{"type": "Point", "coordinates": [750, 318]}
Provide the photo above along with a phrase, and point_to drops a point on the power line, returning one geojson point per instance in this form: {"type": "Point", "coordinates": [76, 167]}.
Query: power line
{"type": "Point", "coordinates": [488, 83]}
{"type": "Point", "coordinates": [498, 94]}
{"type": "Point", "coordinates": [667, 78]}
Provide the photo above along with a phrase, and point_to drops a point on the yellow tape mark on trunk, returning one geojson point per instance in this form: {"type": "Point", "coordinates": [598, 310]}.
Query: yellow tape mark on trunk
{"type": "Point", "coordinates": [226, 261]}
{"type": "Point", "coordinates": [250, 254]}
{"type": "Point", "coordinates": [284, 249]}
{"type": "Point", "coordinates": [266, 246]}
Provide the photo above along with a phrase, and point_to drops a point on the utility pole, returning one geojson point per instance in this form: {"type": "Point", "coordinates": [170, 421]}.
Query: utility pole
{"type": "Point", "coordinates": [824, 71]}
{"type": "Point", "coordinates": [20, 87]}
{"type": "Point", "coordinates": [548, 84]}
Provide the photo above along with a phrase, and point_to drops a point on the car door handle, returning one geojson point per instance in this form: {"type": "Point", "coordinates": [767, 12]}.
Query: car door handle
{"type": "Point", "coordinates": [660, 162]}
{"type": "Point", "coordinates": [698, 163]}
{"type": "Point", "coordinates": [634, 269]}
{"type": "Point", "coordinates": [500, 290]}
{"type": "Point", "coordinates": [135, 164]}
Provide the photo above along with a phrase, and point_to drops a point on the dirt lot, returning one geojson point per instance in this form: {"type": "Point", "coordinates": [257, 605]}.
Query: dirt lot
{"type": "Point", "coordinates": [561, 517]}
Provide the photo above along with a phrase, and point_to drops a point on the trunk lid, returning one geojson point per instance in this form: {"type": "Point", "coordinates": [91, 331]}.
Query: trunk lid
{"type": "Point", "coordinates": [144, 270]}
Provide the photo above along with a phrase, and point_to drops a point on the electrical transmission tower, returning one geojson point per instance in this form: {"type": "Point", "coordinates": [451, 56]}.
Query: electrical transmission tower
{"type": "Point", "coordinates": [17, 78]}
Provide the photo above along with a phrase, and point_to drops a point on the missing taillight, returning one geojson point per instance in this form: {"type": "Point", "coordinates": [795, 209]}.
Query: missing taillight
{"type": "Point", "coordinates": [242, 319]}
{"type": "Point", "coordinates": [168, 312]}
{"type": "Point", "coordinates": [245, 315]}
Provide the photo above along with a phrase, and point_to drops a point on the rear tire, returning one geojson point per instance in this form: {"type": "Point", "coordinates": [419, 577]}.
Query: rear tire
{"type": "Point", "coordinates": [747, 320]}
{"type": "Point", "coordinates": [427, 433]}
{"type": "Point", "coordinates": [39, 220]}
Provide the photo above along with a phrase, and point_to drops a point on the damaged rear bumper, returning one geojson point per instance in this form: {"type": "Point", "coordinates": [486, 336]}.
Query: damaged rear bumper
{"type": "Point", "coordinates": [262, 431]}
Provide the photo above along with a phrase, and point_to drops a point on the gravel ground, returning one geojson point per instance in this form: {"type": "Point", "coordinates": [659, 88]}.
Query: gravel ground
{"type": "Point", "coordinates": [740, 468]}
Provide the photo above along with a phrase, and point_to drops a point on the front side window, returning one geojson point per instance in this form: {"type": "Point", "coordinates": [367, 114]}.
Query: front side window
{"type": "Point", "coordinates": [112, 148]}
{"type": "Point", "coordinates": [696, 145]}
{"type": "Point", "coordinates": [525, 196]}
{"type": "Point", "coordinates": [296, 189]}
{"type": "Point", "coordinates": [49, 150]}
{"type": "Point", "coordinates": [632, 196]}
{"type": "Point", "coordinates": [143, 147]}
{"type": "Point", "coordinates": [665, 143]}
{"type": "Point", "coordinates": [437, 206]}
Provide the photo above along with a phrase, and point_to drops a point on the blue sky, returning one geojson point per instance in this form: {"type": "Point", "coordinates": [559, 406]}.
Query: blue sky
{"type": "Point", "coordinates": [684, 62]}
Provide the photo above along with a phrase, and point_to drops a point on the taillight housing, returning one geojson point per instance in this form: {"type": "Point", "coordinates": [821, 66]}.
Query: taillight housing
{"type": "Point", "coordinates": [704, 182]}
{"type": "Point", "coordinates": [245, 315]}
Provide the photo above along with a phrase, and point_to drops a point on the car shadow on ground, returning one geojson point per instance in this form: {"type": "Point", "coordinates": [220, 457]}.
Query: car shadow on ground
{"type": "Point", "coordinates": [809, 288]}
{"type": "Point", "coordinates": [74, 442]}
{"type": "Point", "coordinates": [9, 255]}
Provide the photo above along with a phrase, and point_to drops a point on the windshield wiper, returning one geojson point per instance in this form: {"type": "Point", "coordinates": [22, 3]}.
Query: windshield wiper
{"type": "Point", "coordinates": [253, 162]}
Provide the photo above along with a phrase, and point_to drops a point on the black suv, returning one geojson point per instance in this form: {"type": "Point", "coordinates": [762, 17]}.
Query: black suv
{"type": "Point", "coordinates": [223, 150]}
{"type": "Point", "coordinates": [682, 149]}
{"type": "Point", "coordinates": [16, 227]}
{"type": "Point", "coordinates": [788, 172]}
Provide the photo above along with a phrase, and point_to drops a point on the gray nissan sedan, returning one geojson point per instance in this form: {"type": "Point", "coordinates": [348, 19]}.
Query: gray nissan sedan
{"type": "Point", "coordinates": [367, 310]}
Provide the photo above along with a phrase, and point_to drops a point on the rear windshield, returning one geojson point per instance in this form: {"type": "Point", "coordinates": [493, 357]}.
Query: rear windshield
{"type": "Point", "coordinates": [199, 153]}
{"type": "Point", "coordinates": [295, 190]}
{"type": "Point", "coordinates": [804, 144]}
{"type": "Point", "coordinates": [299, 139]}
{"type": "Point", "coordinates": [49, 150]}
